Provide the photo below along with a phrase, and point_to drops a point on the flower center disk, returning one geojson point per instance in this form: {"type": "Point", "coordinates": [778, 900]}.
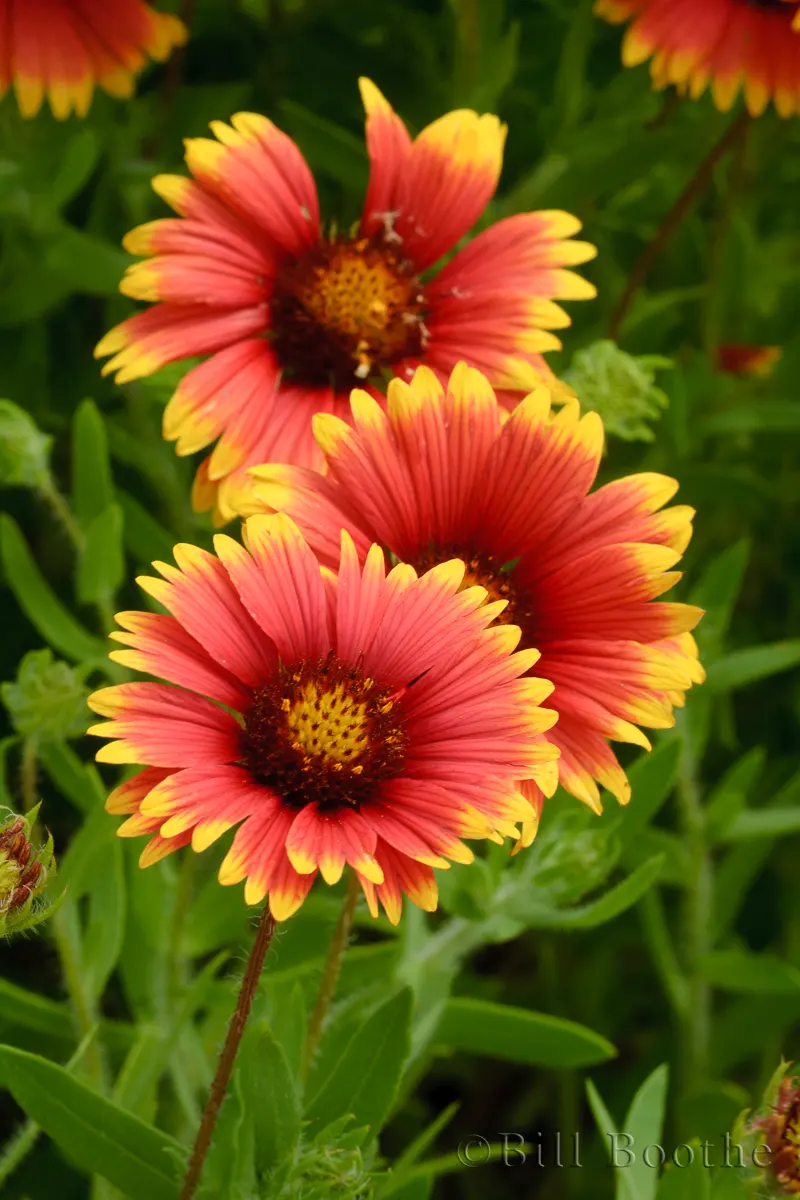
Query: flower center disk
{"type": "Point", "coordinates": [324, 732]}
{"type": "Point", "coordinates": [345, 310]}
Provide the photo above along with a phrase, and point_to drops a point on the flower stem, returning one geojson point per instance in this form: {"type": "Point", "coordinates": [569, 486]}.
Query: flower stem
{"type": "Point", "coordinates": [682, 206]}
{"type": "Point", "coordinates": [696, 1016]}
{"type": "Point", "coordinates": [227, 1058]}
{"type": "Point", "coordinates": [330, 972]}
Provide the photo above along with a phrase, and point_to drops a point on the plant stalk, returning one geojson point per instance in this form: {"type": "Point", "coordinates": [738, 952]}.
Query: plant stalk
{"type": "Point", "coordinates": [227, 1058]}
{"type": "Point", "coordinates": [682, 206]}
{"type": "Point", "coordinates": [330, 972]}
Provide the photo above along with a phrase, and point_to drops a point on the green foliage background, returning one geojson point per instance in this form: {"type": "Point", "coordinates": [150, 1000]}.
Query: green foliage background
{"type": "Point", "coordinates": [665, 934]}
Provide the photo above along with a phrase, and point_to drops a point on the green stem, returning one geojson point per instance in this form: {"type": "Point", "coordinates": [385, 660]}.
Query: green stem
{"type": "Point", "coordinates": [227, 1058]}
{"type": "Point", "coordinates": [330, 972]}
{"type": "Point", "coordinates": [696, 1018]}
{"type": "Point", "coordinates": [674, 218]}
{"type": "Point", "coordinates": [719, 238]}
{"type": "Point", "coordinates": [659, 942]}
{"type": "Point", "coordinates": [64, 513]}
{"type": "Point", "coordinates": [27, 774]}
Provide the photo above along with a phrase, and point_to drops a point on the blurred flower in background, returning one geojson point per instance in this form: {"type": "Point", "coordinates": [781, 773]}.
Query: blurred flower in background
{"type": "Point", "coordinates": [60, 50]}
{"type": "Point", "coordinates": [442, 474]}
{"type": "Point", "coordinates": [724, 44]}
{"type": "Point", "coordinates": [382, 719]}
{"type": "Point", "coordinates": [748, 360]}
{"type": "Point", "coordinates": [294, 317]}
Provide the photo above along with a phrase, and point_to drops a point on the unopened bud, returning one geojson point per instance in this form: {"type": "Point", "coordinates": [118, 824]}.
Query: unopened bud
{"type": "Point", "coordinates": [26, 871]}
{"type": "Point", "coordinates": [778, 1128]}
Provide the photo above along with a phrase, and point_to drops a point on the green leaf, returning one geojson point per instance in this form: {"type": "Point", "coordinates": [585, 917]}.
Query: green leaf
{"type": "Point", "coordinates": [35, 1012]}
{"type": "Point", "coordinates": [102, 1138]}
{"type": "Point", "coordinates": [144, 537]}
{"type": "Point", "coordinates": [768, 416]}
{"type": "Point", "coordinates": [620, 388]}
{"type": "Point", "coordinates": [689, 1181]}
{"type": "Point", "coordinates": [728, 798]}
{"type": "Point", "coordinates": [36, 599]}
{"type": "Point", "coordinates": [740, 971]}
{"type": "Point", "coordinates": [271, 1097]}
{"type": "Point", "coordinates": [79, 159]}
{"type": "Point", "coordinates": [762, 823]}
{"type": "Point", "coordinates": [645, 1122]}
{"type": "Point", "coordinates": [79, 782]}
{"type": "Point", "coordinates": [756, 662]}
{"type": "Point", "coordinates": [24, 449]}
{"type": "Point", "coordinates": [717, 592]}
{"type": "Point", "coordinates": [47, 700]}
{"type": "Point", "coordinates": [588, 916]}
{"type": "Point", "coordinates": [101, 570]}
{"type": "Point", "coordinates": [518, 1035]}
{"type": "Point", "coordinates": [105, 923]}
{"type": "Point", "coordinates": [92, 488]}
{"type": "Point", "coordinates": [365, 1080]}
{"type": "Point", "coordinates": [652, 778]}
{"type": "Point", "coordinates": [327, 146]}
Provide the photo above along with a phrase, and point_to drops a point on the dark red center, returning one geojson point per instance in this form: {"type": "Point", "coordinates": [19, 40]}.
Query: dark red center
{"type": "Point", "coordinates": [345, 310]}
{"type": "Point", "coordinates": [322, 731]}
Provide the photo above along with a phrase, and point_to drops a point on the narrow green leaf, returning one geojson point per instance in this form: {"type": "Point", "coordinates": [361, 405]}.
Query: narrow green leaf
{"type": "Point", "coordinates": [101, 570]}
{"type": "Point", "coordinates": [35, 1012]}
{"type": "Point", "coordinates": [762, 823]}
{"type": "Point", "coordinates": [768, 416]}
{"type": "Point", "coordinates": [92, 488]}
{"type": "Point", "coordinates": [144, 537]}
{"type": "Point", "coordinates": [645, 1122]}
{"type": "Point", "coordinates": [613, 902]}
{"type": "Point", "coordinates": [717, 592]}
{"type": "Point", "coordinates": [748, 666]}
{"type": "Point", "coordinates": [105, 923]}
{"type": "Point", "coordinates": [728, 798]}
{"type": "Point", "coordinates": [105, 1140]}
{"type": "Point", "coordinates": [39, 603]}
{"type": "Point", "coordinates": [652, 778]}
{"type": "Point", "coordinates": [271, 1096]}
{"type": "Point", "coordinates": [741, 971]}
{"type": "Point", "coordinates": [517, 1035]}
{"type": "Point", "coordinates": [364, 1082]}
{"type": "Point", "coordinates": [328, 147]}
{"type": "Point", "coordinates": [686, 1177]}
{"type": "Point", "coordinates": [80, 782]}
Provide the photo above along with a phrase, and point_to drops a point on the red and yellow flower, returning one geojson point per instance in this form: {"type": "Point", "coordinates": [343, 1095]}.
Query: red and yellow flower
{"type": "Point", "coordinates": [736, 359]}
{"type": "Point", "coordinates": [294, 317]}
{"type": "Point", "coordinates": [727, 44]}
{"type": "Point", "coordinates": [451, 473]}
{"type": "Point", "coordinates": [61, 49]}
{"type": "Point", "coordinates": [363, 718]}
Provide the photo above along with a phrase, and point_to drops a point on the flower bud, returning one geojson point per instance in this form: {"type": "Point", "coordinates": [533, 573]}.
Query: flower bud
{"type": "Point", "coordinates": [778, 1128]}
{"type": "Point", "coordinates": [25, 871]}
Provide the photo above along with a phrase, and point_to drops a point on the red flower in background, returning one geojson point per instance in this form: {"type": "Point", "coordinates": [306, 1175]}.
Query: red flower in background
{"type": "Point", "coordinates": [293, 317]}
{"type": "Point", "coordinates": [748, 360]}
{"type": "Point", "coordinates": [724, 44]}
{"type": "Point", "coordinates": [371, 719]}
{"type": "Point", "coordinates": [60, 50]}
{"type": "Point", "coordinates": [443, 474]}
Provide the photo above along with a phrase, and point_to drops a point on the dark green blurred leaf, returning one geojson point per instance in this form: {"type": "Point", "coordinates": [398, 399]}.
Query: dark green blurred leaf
{"type": "Point", "coordinates": [748, 666]}
{"type": "Point", "coordinates": [518, 1035]}
{"type": "Point", "coordinates": [56, 625]}
{"type": "Point", "coordinates": [101, 570]}
{"type": "Point", "coordinates": [92, 487]}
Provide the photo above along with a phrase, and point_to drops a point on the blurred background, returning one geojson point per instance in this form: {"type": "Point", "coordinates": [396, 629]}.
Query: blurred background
{"type": "Point", "coordinates": [699, 970]}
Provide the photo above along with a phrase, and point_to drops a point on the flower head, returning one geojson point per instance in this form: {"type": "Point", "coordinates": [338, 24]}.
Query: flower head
{"type": "Point", "coordinates": [369, 719]}
{"type": "Point", "coordinates": [293, 317]}
{"type": "Point", "coordinates": [60, 49]}
{"type": "Point", "coordinates": [25, 871]}
{"type": "Point", "coordinates": [748, 360]}
{"type": "Point", "coordinates": [728, 44]}
{"type": "Point", "coordinates": [443, 473]}
{"type": "Point", "coordinates": [780, 1129]}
